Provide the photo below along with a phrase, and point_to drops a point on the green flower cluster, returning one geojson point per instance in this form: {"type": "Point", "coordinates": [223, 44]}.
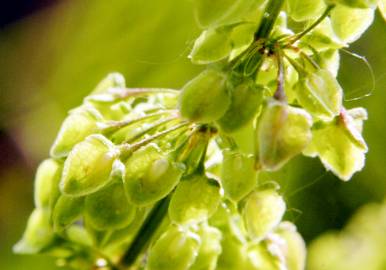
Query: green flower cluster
{"type": "Point", "coordinates": [163, 179]}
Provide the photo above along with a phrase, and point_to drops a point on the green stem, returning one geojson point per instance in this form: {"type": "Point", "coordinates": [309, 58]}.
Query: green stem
{"type": "Point", "coordinates": [146, 233]}
{"type": "Point", "coordinates": [270, 15]}
{"type": "Point", "coordinates": [280, 93]}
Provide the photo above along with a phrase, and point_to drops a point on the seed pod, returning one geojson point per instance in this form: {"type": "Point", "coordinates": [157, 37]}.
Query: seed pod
{"type": "Point", "coordinates": [66, 211]}
{"type": "Point", "coordinates": [354, 3]}
{"type": "Point", "coordinates": [108, 208]}
{"type": "Point", "coordinates": [150, 175]}
{"type": "Point", "coordinates": [302, 10]}
{"type": "Point", "coordinates": [320, 94]}
{"type": "Point", "coordinates": [205, 98]}
{"type": "Point", "coordinates": [80, 123]}
{"type": "Point", "coordinates": [238, 174]}
{"type": "Point", "coordinates": [282, 133]}
{"type": "Point", "coordinates": [351, 30]}
{"type": "Point", "coordinates": [88, 166]}
{"type": "Point", "coordinates": [210, 248]}
{"type": "Point", "coordinates": [246, 99]}
{"type": "Point", "coordinates": [175, 249]}
{"type": "Point", "coordinates": [38, 235]}
{"type": "Point", "coordinates": [211, 46]}
{"type": "Point", "coordinates": [194, 200]}
{"type": "Point", "coordinates": [46, 179]}
{"type": "Point", "coordinates": [262, 212]}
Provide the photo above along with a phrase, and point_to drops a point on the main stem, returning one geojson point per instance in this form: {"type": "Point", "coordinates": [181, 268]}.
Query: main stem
{"type": "Point", "coordinates": [270, 15]}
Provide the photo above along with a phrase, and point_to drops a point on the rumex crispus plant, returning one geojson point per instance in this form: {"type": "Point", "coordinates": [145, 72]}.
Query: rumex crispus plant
{"type": "Point", "coordinates": [166, 179]}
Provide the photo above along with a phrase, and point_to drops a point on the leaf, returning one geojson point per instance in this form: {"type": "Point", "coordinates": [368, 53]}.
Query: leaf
{"type": "Point", "coordinates": [302, 10]}
{"type": "Point", "coordinates": [195, 199]}
{"type": "Point", "coordinates": [109, 208]}
{"type": "Point", "coordinates": [350, 23]}
{"type": "Point", "coordinates": [282, 133]}
{"type": "Point", "coordinates": [88, 166]}
{"type": "Point", "coordinates": [175, 249]}
{"type": "Point", "coordinates": [340, 147]}
{"type": "Point", "coordinates": [262, 212]}
{"type": "Point", "coordinates": [320, 94]}
{"type": "Point", "coordinates": [38, 234]}
{"type": "Point", "coordinates": [205, 98]}
{"type": "Point", "coordinates": [246, 100]}
{"type": "Point", "coordinates": [238, 174]}
{"type": "Point", "coordinates": [80, 123]}
{"type": "Point", "coordinates": [150, 176]}
{"type": "Point", "coordinates": [66, 211]}
{"type": "Point", "coordinates": [47, 175]}
{"type": "Point", "coordinates": [211, 46]}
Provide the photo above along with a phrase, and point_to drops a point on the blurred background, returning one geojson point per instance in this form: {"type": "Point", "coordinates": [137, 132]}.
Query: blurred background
{"type": "Point", "coordinates": [52, 54]}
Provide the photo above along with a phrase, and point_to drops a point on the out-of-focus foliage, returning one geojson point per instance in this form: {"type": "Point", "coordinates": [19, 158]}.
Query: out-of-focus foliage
{"type": "Point", "coordinates": [51, 60]}
{"type": "Point", "coordinates": [361, 245]}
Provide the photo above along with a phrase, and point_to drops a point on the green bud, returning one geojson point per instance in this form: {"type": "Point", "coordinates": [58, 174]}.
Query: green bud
{"type": "Point", "coordinates": [66, 211]}
{"type": "Point", "coordinates": [80, 123]}
{"type": "Point", "coordinates": [282, 133]}
{"type": "Point", "coordinates": [320, 94]}
{"type": "Point", "coordinates": [38, 234]}
{"type": "Point", "coordinates": [46, 179]}
{"type": "Point", "coordinates": [382, 8]}
{"type": "Point", "coordinates": [262, 212]}
{"type": "Point", "coordinates": [302, 10]}
{"type": "Point", "coordinates": [354, 3]}
{"type": "Point", "coordinates": [176, 249]}
{"type": "Point", "coordinates": [88, 166]}
{"type": "Point", "coordinates": [212, 45]}
{"type": "Point", "coordinates": [351, 30]}
{"type": "Point", "coordinates": [210, 248]}
{"type": "Point", "coordinates": [205, 98]}
{"type": "Point", "coordinates": [259, 257]}
{"type": "Point", "coordinates": [150, 176]}
{"type": "Point", "coordinates": [195, 199]}
{"type": "Point", "coordinates": [108, 208]}
{"type": "Point", "coordinates": [238, 175]}
{"type": "Point", "coordinates": [241, 37]}
{"type": "Point", "coordinates": [233, 255]}
{"type": "Point", "coordinates": [112, 80]}
{"type": "Point", "coordinates": [246, 99]}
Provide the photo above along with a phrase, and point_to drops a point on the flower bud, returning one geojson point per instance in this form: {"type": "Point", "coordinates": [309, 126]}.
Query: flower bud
{"type": "Point", "coordinates": [262, 212]}
{"type": "Point", "coordinates": [282, 133]}
{"type": "Point", "coordinates": [150, 176]}
{"type": "Point", "coordinates": [88, 166]}
{"type": "Point", "coordinates": [195, 199]}
{"type": "Point", "coordinates": [66, 211]}
{"type": "Point", "coordinates": [205, 98]}
{"type": "Point", "coordinates": [238, 174]}
{"type": "Point", "coordinates": [175, 249]}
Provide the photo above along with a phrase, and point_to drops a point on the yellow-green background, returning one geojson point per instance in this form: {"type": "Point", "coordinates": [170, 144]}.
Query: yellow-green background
{"type": "Point", "coordinates": [50, 60]}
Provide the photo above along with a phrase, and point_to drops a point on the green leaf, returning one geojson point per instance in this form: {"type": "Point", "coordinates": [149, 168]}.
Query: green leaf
{"type": "Point", "coordinates": [211, 46]}
{"type": "Point", "coordinates": [339, 146]}
{"type": "Point", "coordinates": [282, 133]}
{"type": "Point", "coordinates": [302, 10]}
{"type": "Point", "coordinates": [38, 234]}
{"type": "Point", "coordinates": [210, 248]}
{"type": "Point", "coordinates": [80, 123]}
{"type": "Point", "coordinates": [262, 212]}
{"type": "Point", "coordinates": [66, 211]}
{"type": "Point", "coordinates": [150, 175]}
{"type": "Point", "coordinates": [47, 177]}
{"type": "Point", "coordinates": [205, 98]}
{"type": "Point", "coordinates": [350, 23]}
{"type": "Point", "coordinates": [88, 166]}
{"type": "Point", "coordinates": [320, 94]}
{"type": "Point", "coordinates": [238, 174]}
{"type": "Point", "coordinates": [195, 199]}
{"type": "Point", "coordinates": [109, 208]}
{"type": "Point", "coordinates": [176, 249]}
{"type": "Point", "coordinates": [246, 100]}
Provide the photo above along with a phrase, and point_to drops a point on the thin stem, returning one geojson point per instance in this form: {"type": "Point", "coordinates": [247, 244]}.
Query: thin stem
{"type": "Point", "coordinates": [145, 234]}
{"type": "Point", "coordinates": [270, 15]}
{"type": "Point", "coordinates": [280, 93]}
{"type": "Point", "coordinates": [312, 26]}
{"type": "Point", "coordinates": [296, 66]}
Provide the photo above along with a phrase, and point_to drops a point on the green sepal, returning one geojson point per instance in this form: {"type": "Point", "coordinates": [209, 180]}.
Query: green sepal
{"type": "Point", "coordinates": [205, 98]}
{"type": "Point", "coordinates": [195, 199]}
{"type": "Point", "coordinates": [88, 166]}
